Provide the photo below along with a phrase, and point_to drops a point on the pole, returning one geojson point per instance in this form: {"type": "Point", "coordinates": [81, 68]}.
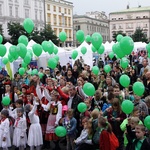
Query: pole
{"type": "Point", "coordinates": [63, 24]}
{"type": "Point", "coordinates": [44, 14]}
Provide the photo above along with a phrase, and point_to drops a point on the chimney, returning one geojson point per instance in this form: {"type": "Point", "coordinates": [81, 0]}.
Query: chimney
{"type": "Point", "coordinates": [128, 6]}
{"type": "Point", "coordinates": [139, 6]}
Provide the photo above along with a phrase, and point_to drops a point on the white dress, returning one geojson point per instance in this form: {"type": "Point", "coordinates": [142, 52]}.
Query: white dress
{"type": "Point", "coordinates": [35, 137]}
{"type": "Point", "coordinates": [20, 131]}
{"type": "Point", "coordinates": [5, 132]}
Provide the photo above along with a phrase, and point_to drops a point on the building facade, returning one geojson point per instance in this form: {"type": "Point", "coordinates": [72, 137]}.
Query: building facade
{"type": "Point", "coordinates": [18, 10]}
{"type": "Point", "coordinates": [129, 20]}
{"type": "Point", "coordinates": [59, 14]}
{"type": "Point", "coordinates": [92, 22]}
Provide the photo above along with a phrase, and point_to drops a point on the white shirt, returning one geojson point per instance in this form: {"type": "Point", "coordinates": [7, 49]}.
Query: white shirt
{"type": "Point", "coordinates": [70, 102]}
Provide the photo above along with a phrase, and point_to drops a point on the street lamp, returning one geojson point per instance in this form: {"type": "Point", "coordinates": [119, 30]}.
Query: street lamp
{"type": "Point", "coordinates": [63, 24]}
{"type": "Point", "coordinates": [44, 14]}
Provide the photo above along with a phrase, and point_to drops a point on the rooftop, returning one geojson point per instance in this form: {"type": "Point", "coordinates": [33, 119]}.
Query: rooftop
{"type": "Point", "coordinates": [134, 9]}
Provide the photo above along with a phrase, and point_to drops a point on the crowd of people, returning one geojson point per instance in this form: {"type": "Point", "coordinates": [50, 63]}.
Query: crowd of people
{"type": "Point", "coordinates": [40, 104]}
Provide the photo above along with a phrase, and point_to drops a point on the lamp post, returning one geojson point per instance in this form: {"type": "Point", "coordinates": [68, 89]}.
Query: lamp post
{"type": "Point", "coordinates": [44, 14]}
{"type": "Point", "coordinates": [63, 24]}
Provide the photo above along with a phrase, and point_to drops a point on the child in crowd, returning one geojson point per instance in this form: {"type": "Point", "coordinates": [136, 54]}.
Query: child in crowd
{"type": "Point", "coordinates": [70, 124]}
{"type": "Point", "coordinates": [130, 133]}
{"type": "Point", "coordinates": [20, 125]}
{"type": "Point", "coordinates": [5, 141]}
{"type": "Point", "coordinates": [35, 137]}
{"type": "Point", "coordinates": [140, 142]}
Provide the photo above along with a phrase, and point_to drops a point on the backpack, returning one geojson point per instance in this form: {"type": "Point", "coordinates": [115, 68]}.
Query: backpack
{"type": "Point", "coordinates": [114, 143]}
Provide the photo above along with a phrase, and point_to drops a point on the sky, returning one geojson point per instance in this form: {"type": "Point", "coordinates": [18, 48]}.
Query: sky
{"type": "Point", "coordinates": [82, 6]}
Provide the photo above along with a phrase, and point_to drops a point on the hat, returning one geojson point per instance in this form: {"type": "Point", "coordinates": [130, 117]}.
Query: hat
{"type": "Point", "coordinates": [27, 108]}
{"type": "Point", "coordinates": [5, 112]}
{"type": "Point", "coordinates": [7, 82]}
{"type": "Point", "coordinates": [65, 108]}
{"type": "Point", "coordinates": [25, 86]}
{"type": "Point", "coordinates": [47, 69]}
{"type": "Point", "coordinates": [20, 110]}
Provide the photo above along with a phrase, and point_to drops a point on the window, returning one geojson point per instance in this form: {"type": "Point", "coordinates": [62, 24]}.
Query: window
{"type": "Point", "coordinates": [130, 34]}
{"type": "Point", "coordinates": [69, 21]}
{"type": "Point", "coordinates": [55, 19]}
{"type": "Point", "coordinates": [113, 26]}
{"type": "Point", "coordinates": [0, 9]}
{"type": "Point", "coordinates": [65, 21]}
{"type": "Point", "coordinates": [129, 26]}
{"type": "Point", "coordinates": [36, 15]}
{"type": "Point", "coordinates": [60, 9]}
{"type": "Point", "coordinates": [68, 11]}
{"type": "Point", "coordinates": [54, 8]}
{"type": "Point", "coordinates": [48, 7]}
{"type": "Point", "coordinates": [55, 31]}
{"type": "Point", "coordinates": [60, 20]}
{"type": "Point", "coordinates": [145, 33]}
{"type": "Point", "coordinates": [26, 13]}
{"type": "Point", "coordinates": [26, 2]}
{"type": "Point", "coordinates": [87, 27]}
{"type": "Point", "coordinates": [16, 11]}
{"type": "Point", "coordinates": [10, 11]}
{"type": "Point", "coordinates": [65, 10]}
{"type": "Point", "coordinates": [145, 25]}
{"type": "Point", "coordinates": [138, 25]}
{"type": "Point", "coordinates": [49, 18]}
{"type": "Point", "coordinates": [40, 15]}
{"type": "Point", "coordinates": [120, 26]}
{"type": "Point", "coordinates": [36, 3]}
{"type": "Point", "coordinates": [60, 30]}
{"type": "Point", "coordinates": [40, 4]}
{"type": "Point", "coordinates": [69, 33]}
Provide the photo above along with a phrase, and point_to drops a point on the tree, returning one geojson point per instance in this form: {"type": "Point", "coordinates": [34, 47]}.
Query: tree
{"type": "Point", "coordinates": [48, 34]}
{"type": "Point", "coordinates": [139, 36]}
{"type": "Point", "coordinates": [15, 30]}
{"type": "Point", "coordinates": [115, 35]}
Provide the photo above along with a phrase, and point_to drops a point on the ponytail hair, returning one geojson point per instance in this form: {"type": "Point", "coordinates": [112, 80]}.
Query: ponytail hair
{"type": "Point", "coordinates": [105, 124]}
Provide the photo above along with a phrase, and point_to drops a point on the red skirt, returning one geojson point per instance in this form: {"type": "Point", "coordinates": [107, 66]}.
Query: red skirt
{"type": "Point", "coordinates": [51, 137]}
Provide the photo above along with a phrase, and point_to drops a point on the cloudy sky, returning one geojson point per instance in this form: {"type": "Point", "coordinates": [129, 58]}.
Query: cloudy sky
{"type": "Point", "coordinates": [82, 6]}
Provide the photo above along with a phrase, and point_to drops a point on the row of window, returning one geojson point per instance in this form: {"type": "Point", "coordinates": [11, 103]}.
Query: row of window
{"type": "Point", "coordinates": [68, 32]}
{"type": "Point", "coordinates": [58, 9]}
{"type": "Point", "coordinates": [129, 25]}
{"type": "Point", "coordinates": [137, 17]}
{"type": "Point", "coordinates": [59, 19]}
{"type": "Point", "coordinates": [97, 29]}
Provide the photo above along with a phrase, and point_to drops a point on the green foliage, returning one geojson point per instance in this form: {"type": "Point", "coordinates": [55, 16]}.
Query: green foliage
{"type": "Point", "coordinates": [139, 36]}
{"type": "Point", "coordinates": [115, 35]}
{"type": "Point", "coordinates": [15, 30]}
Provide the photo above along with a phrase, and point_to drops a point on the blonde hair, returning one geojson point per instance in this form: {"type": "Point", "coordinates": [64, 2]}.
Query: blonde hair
{"type": "Point", "coordinates": [141, 127]}
{"type": "Point", "coordinates": [70, 112]}
{"type": "Point", "coordinates": [147, 99]}
{"type": "Point", "coordinates": [135, 120]}
{"type": "Point", "coordinates": [95, 113]}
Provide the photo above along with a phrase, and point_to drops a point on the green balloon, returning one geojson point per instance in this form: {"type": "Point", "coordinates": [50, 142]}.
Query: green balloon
{"type": "Point", "coordinates": [45, 45]}
{"type": "Point", "coordinates": [37, 49]}
{"type": "Point", "coordinates": [95, 70]}
{"type": "Point", "coordinates": [10, 58]}
{"type": "Point", "coordinates": [96, 40]}
{"type": "Point", "coordinates": [29, 51]}
{"type": "Point", "coordinates": [111, 55]}
{"type": "Point", "coordinates": [88, 38]}
{"type": "Point", "coordinates": [23, 39]}
{"type": "Point", "coordinates": [80, 36]}
{"type": "Point", "coordinates": [21, 71]}
{"type": "Point", "coordinates": [34, 72]}
{"type": "Point", "coordinates": [127, 45]}
{"type": "Point", "coordinates": [6, 101]}
{"type": "Point", "coordinates": [107, 68]}
{"type": "Point", "coordinates": [148, 47]}
{"type": "Point", "coordinates": [138, 88]}
{"type": "Point", "coordinates": [28, 25]}
{"type": "Point", "coordinates": [2, 50]}
{"type": "Point", "coordinates": [50, 48]}
{"type": "Point", "coordinates": [52, 63]}
{"type": "Point", "coordinates": [101, 49]}
{"type": "Point", "coordinates": [127, 106]}
{"type": "Point", "coordinates": [27, 58]}
{"type": "Point", "coordinates": [1, 39]}
{"type": "Point", "coordinates": [60, 131]}
{"type": "Point", "coordinates": [147, 122]}
{"type": "Point", "coordinates": [82, 107]}
{"type": "Point", "coordinates": [21, 50]}
{"type": "Point", "coordinates": [13, 52]}
{"type": "Point", "coordinates": [119, 37]}
{"type": "Point", "coordinates": [56, 57]}
{"type": "Point", "coordinates": [40, 75]}
{"type": "Point", "coordinates": [117, 50]}
{"type": "Point", "coordinates": [124, 63]}
{"type": "Point", "coordinates": [74, 54]}
{"type": "Point", "coordinates": [148, 55]}
{"type": "Point", "coordinates": [89, 89]}
{"type": "Point", "coordinates": [83, 50]}
{"type": "Point", "coordinates": [93, 49]}
{"type": "Point", "coordinates": [5, 60]}
{"type": "Point", "coordinates": [124, 80]}
{"type": "Point", "coordinates": [55, 50]}
{"type": "Point", "coordinates": [62, 36]}
{"type": "Point", "coordinates": [23, 64]}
